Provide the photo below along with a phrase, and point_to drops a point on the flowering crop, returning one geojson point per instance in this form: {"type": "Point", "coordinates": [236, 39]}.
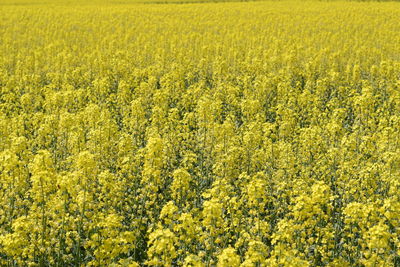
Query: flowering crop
{"type": "Point", "coordinates": [203, 134]}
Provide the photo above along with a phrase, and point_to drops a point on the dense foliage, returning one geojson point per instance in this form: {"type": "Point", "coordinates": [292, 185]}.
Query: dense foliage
{"type": "Point", "coordinates": [251, 134]}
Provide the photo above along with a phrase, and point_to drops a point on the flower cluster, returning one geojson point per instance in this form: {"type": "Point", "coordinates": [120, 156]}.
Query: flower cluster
{"type": "Point", "coordinates": [223, 134]}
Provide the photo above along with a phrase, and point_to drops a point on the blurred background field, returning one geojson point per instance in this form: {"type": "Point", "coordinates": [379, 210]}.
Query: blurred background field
{"type": "Point", "coordinates": [128, 2]}
{"type": "Point", "coordinates": [106, 2]}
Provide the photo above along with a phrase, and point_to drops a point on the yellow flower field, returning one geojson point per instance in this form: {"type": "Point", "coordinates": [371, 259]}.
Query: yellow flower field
{"type": "Point", "coordinates": [134, 133]}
